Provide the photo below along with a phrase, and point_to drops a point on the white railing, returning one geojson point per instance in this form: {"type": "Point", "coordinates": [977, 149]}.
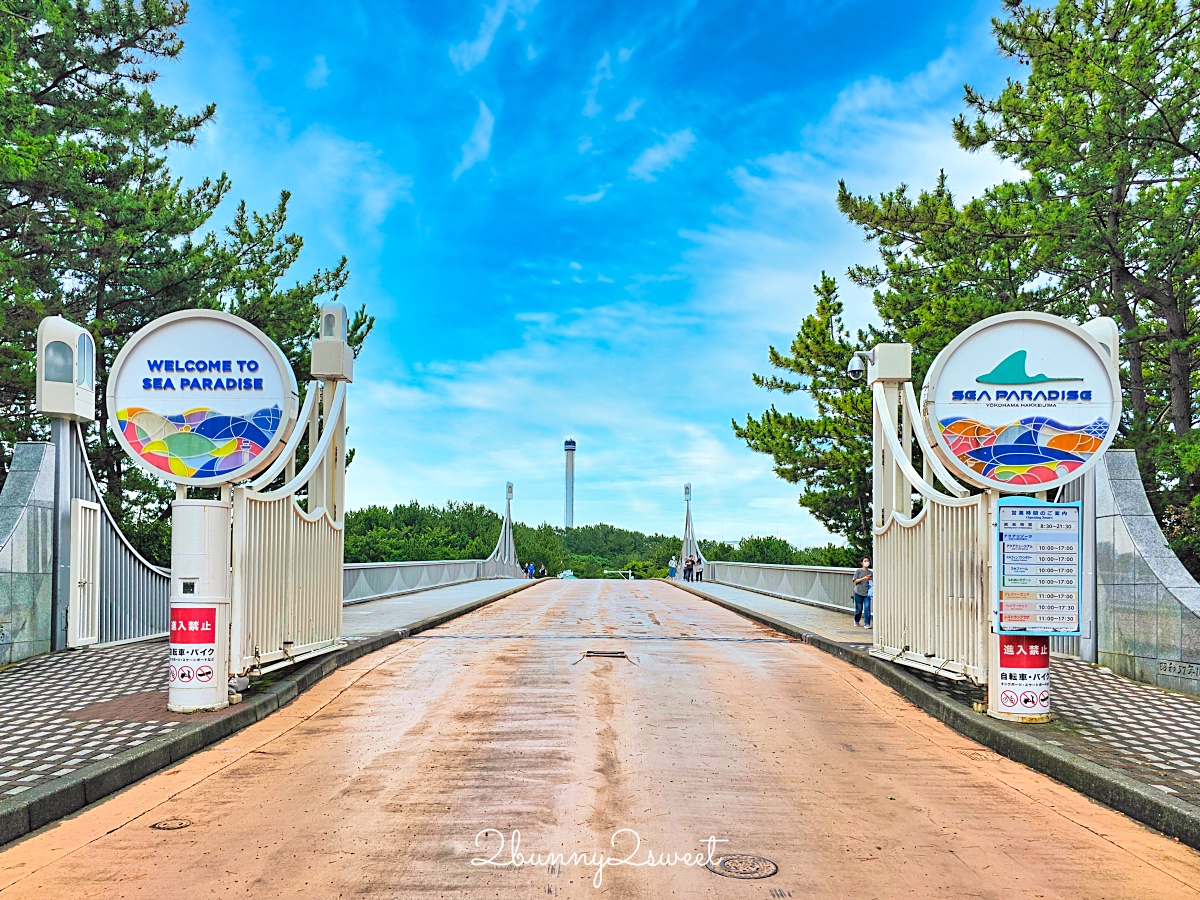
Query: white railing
{"type": "Point", "coordinates": [287, 561]}
{"type": "Point", "coordinates": [826, 586]}
{"type": "Point", "coordinates": [930, 607]}
{"type": "Point", "coordinates": [374, 581]}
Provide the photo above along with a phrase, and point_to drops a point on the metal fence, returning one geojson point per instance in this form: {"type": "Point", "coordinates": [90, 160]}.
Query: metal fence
{"type": "Point", "coordinates": [825, 586]}
{"type": "Point", "coordinates": [371, 581]}
{"type": "Point", "coordinates": [286, 589]}
{"type": "Point", "coordinates": [931, 608]}
{"type": "Point", "coordinates": [287, 562]}
{"type": "Point", "coordinates": [930, 589]}
{"type": "Point", "coordinates": [374, 581]}
{"type": "Point", "coordinates": [133, 592]}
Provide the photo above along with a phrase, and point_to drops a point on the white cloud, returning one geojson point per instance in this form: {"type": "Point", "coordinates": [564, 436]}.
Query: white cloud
{"type": "Point", "coordinates": [576, 266]}
{"type": "Point", "coordinates": [631, 110]}
{"type": "Point", "coordinates": [318, 75]}
{"type": "Point", "coordinates": [468, 54]}
{"type": "Point", "coordinates": [594, 197]}
{"type": "Point", "coordinates": [630, 468]}
{"type": "Point", "coordinates": [623, 55]}
{"type": "Point", "coordinates": [530, 53]}
{"type": "Point", "coordinates": [585, 144]}
{"type": "Point", "coordinates": [602, 74]}
{"type": "Point", "coordinates": [662, 155]}
{"type": "Point", "coordinates": [345, 185]}
{"type": "Point", "coordinates": [479, 144]}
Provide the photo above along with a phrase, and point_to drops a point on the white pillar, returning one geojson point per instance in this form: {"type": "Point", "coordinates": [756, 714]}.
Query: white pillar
{"type": "Point", "coordinates": [200, 601]}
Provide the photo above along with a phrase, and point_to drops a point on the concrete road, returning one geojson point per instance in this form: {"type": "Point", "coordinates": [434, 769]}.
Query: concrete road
{"type": "Point", "coordinates": [397, 775]}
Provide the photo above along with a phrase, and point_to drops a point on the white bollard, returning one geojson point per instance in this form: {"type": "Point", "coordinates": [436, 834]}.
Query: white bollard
{"type": "Point", "coordinates": [200, 600]}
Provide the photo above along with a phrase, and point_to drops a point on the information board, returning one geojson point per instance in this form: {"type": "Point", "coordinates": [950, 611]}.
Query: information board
{"type": "Point", "coordinates": [1039, 558]}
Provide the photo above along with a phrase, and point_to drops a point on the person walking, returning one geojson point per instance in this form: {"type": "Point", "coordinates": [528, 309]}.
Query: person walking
{"type": "Point", "coordinates": [688, 565]}
{"type": "Point", "coordinates": [863, 576]}
{"type": "Point", "coordinates": [542, 573]}
{"type": "Point", "coordinates": [672, 567]}
{"type": "Point", "coordinates": [699, 568]}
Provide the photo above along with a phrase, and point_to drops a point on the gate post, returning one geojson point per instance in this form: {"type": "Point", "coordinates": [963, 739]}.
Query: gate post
{"type": "Point", "coordinates": [66, 393]}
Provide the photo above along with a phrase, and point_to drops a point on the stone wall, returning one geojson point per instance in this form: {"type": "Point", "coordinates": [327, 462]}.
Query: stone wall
{"type": "Point", "coordinates": [1147, 605]}
{"type": "Point", "coordinates": [27, 553]}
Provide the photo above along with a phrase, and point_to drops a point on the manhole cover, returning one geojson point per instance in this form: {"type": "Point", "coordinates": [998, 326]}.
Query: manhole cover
{"type": "Point", "coordinates": [741, 865]}
{"type": "Point", "coordinates": [172, 824]}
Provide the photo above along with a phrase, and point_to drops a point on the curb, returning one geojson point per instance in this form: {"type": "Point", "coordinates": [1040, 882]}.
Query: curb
{"type": "Point", "coordinates": [1173, 817]}
{"type": "Point", "coordinates": [51, 801]}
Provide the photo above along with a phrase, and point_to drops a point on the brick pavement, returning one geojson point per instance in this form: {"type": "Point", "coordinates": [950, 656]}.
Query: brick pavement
{"type": "Point", "coordinates": [70, 709]}
{"type": "Point", "coordinates": [1140, 730]}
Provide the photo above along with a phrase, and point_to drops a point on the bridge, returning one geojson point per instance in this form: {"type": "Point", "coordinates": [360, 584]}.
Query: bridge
{"type": "Point", "coordinates": [451, 728]}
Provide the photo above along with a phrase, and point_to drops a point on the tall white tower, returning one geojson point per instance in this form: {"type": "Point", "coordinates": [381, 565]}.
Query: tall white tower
{"type": "Point", "coordinates": [569, 517]}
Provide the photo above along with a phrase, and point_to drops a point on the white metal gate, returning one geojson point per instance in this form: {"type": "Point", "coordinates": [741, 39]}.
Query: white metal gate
{"type": "Point", "coordinates": [931, 569]}
{"type": "Point", "coordinates": [83, 609]}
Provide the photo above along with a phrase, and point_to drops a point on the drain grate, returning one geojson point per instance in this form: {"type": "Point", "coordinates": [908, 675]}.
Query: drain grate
{"type": "Point", "coordinates": [742, 865]}
{"type": "Point", "coordinates": [172, 824]}
{"type": "Point", "coordinates": [604, 654]}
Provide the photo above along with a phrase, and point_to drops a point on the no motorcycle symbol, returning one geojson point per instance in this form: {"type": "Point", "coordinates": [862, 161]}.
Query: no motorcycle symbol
{"type": "Point", "coordinates": [185, 674]}
{"type": "Point", "coordinates": [1029, 699]}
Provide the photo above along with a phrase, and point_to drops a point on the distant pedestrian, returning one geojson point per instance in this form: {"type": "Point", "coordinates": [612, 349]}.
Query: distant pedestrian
{"type": "Point", "coordinates": [542, 573]}
{"type": "Point", "coordinates": [688, 566]}
{"type": "Point", "coordinates": [699, 568]}
{"type": "Point", "coordinates": [529, 571]}
{"type": "Point", "coordinates": [863, 576]}
{"type": "Point", "coordinates": [672, 567]}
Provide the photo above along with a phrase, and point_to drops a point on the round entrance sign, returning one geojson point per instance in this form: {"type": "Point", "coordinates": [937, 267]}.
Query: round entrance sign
{"type": "Point", "coordinates": [201, 397]}
{"type": "Point", "coordinates": [1022, 402]}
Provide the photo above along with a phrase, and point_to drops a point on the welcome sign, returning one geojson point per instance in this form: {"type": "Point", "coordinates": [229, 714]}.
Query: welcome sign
{"type": "Point", "coordinates": [201, 397]}
{"type": "Point", "coordinates": [1022, 402]}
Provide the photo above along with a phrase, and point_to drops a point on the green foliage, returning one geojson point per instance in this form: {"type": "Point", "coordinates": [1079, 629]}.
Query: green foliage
{"type": "Point", "coordinates": [828, 454]}
{"type": "Point", "coordinates": [94, 226]}
{"type": "Point", "coordinates": [468, 531]}
{"type": "Point", "coordinates": [776, 551]}
{"type": "Point", "coordinates": [455, 531]}
{"type": "Point", "coordinates": [1105, 220]}
{"type": "Point", "coordinates": [541, 546]}
{"type": "Point", "coordinates": [415, 532]}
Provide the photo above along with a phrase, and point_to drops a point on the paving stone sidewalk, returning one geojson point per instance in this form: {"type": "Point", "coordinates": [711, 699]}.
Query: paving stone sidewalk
{"type": "Point", "coordinates": [66, 710]}
{"type": "Point", "coordinates": [1140, 730]}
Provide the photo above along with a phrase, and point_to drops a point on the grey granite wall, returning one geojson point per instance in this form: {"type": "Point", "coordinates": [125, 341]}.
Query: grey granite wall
{"type": "Point", "coordinates": [26, 553]}
{"type": "Point", "coordinates": [1147, 605]}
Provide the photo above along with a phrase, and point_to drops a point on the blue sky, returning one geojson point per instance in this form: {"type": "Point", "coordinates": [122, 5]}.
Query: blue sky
{"type": "Point", "coordinates": [585, 219]}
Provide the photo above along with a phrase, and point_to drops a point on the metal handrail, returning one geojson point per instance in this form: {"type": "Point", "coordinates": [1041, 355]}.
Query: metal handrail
{"type": "Point", "coordinates": [293, 441]}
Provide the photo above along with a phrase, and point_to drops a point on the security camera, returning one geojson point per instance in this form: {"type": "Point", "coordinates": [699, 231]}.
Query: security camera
{"type": "Point", "coordinates": [857, 367]}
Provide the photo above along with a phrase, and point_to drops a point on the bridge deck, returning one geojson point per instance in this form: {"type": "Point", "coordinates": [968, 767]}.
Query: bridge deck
{"type": "Point", "coordinates": [378, 780]}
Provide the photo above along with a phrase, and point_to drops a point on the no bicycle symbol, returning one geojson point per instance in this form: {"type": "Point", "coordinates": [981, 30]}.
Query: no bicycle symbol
{"type": "Point", "coordinates": [1008, 698]}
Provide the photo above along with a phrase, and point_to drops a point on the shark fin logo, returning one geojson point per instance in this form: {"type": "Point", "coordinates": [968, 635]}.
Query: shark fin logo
{"type": "Point", "coordinates": [1014, 369]}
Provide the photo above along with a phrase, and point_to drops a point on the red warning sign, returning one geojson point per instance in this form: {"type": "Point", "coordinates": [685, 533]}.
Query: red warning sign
{"type": "Point", "coordinates": [1025, 673]}
{"type": "Point", "coordinates": [194, 625]}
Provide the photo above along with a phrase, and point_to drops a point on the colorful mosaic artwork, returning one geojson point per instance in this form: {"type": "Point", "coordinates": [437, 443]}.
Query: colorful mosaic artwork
{"type": "Point", "coordinates": [200, 443]}
{"type": "Point", "coordinates": [1035, 450]}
